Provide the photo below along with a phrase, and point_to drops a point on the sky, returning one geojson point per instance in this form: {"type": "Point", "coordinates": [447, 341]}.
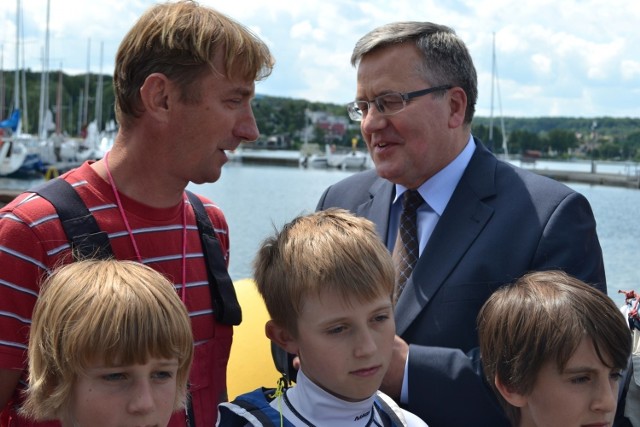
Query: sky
{"type": "Point", "coordinates": [571, 58]}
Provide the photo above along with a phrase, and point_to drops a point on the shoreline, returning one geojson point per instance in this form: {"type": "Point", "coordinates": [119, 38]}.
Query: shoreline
{"type": "Point", "coordinates": [593, 178]}
{"type": "Point", "coordinates": [7, 195]}
{"type": "Point", "coordinates": [608, 179]}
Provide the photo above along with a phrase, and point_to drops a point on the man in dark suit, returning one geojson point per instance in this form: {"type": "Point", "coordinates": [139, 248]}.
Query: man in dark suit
{"type": "Point", "coordinates": [484, 222]}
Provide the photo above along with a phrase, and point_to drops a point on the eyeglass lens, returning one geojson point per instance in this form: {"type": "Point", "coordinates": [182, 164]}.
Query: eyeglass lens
{"type": "Point", "coordinates": [387, 103]}
{"type": "Point", "coordinates": [390, 102]}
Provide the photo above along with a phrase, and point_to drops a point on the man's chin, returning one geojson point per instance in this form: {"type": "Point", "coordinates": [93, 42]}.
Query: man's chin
{"type": "Point", "coordinates": [208, 179]}
{"type": "Point", "coordinates": [385, 170]}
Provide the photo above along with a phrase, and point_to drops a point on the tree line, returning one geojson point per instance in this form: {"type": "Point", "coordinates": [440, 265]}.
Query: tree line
{"type": "Point", "coordinates": [602, 138]}
{"type": "Point", "coordinates": [560, 137]}
{"type": "Point", "coordinates": [551, 137]}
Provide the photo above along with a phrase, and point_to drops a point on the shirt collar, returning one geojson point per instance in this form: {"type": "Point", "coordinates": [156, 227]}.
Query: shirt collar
{"type": "Point", "coordinates": [437, 190]}
{"type": "Point", "coordinates": [320, 407]}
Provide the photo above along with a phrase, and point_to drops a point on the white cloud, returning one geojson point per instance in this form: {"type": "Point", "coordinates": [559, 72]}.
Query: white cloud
{"type": "Point", "coordinates": [541, 63]}
{"type": "Point", "coordinates": [301, 29]}
{"type": "Point", "coordinates": [630, 70]}
{"type": "Point", "coordinates": [564, 58]}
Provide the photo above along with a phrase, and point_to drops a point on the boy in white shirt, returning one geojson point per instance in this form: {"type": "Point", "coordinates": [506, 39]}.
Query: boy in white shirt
{"type": "Point", "coordinates": [328, 284]}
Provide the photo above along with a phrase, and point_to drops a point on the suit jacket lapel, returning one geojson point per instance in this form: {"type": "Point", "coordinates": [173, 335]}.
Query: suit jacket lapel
{"type": "Point", "coordinates": [462, 221]}
{"type": "Point", "coordinates": [378, 206]}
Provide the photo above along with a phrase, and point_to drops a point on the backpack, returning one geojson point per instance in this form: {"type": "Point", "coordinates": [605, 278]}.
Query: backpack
{"type": "Point", "coordinates": [88, 241]}
{"type": "Point", "coordinates": [254, 409]}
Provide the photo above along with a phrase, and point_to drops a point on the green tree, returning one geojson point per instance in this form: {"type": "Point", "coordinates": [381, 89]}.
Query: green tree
{"type": "Point", "coordinates": [349, 135]}
{"type": "Point", "coordinates": [522, 140]}
{"type": "Point", "coordinates": [631, 146]}
{"type": "Point", "coordinates": [494, 144]}
{"type": "Point", "coordinates": [561, 140]}
{"type": "Point", "coordinates": [319, 135]}
{"type": "Point", "coordinates": [608, 150]}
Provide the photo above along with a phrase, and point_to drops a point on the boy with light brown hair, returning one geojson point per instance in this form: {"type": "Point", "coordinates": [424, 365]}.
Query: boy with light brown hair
{"type": "Point", "coordinates": [328, 283]}
{"type": "Point", "coordinates": [110, 344]}
{"type": "Point", "coordinates": [554, 349]}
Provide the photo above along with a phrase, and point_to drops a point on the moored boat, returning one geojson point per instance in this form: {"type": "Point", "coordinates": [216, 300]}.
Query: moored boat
{"type": "Point", "coordinates": [12, 156]}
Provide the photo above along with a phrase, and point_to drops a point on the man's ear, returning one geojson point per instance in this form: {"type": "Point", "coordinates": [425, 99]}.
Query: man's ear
{"type": "Point", "coordinates": [281, 336]}
{"type": "Point", "coordinates": [458, 106]}
{"type": "Point", "coordinates": [154, 95]}
{"type": "Point", "coordinates": [512, 397]}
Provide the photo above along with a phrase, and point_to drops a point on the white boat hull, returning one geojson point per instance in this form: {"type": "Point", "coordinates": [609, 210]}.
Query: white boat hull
{"type": "Point", "coordinates": [12, 157]}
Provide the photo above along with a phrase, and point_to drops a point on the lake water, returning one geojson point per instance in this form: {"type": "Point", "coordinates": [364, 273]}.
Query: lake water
{"type": "Point", "coordinates": [256, 199]}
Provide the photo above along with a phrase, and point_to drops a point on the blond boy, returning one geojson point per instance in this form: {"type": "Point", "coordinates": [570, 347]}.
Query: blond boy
{"type": "Point", "coordinates": [110, 344]}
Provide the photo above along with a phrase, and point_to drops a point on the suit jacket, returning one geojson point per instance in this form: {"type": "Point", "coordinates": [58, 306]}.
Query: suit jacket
{"type": "Point", "coordinates": [501, 222]}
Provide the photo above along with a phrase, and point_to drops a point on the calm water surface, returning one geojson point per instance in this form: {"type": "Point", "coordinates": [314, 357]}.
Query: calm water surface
{"type": "Point", "coordinates": [256, 199]}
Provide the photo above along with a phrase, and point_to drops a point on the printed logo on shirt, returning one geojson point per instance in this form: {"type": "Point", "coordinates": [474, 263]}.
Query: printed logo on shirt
{"type": "Point", "coordinates": [359, 417]}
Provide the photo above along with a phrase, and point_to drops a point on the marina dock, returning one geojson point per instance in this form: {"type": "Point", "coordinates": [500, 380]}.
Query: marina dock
{"type": "Point", "coordinates": [7, 195]}
{"type": "Point", "coordinates": [610, 179]}
{"type": "Point", "coordinates": [275, 158]}
{"type": "Point", "coordinates": [266, 157]}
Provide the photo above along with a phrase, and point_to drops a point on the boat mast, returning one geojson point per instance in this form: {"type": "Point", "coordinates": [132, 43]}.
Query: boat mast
{"type": "Point", "coordinates": [495, 80]}
{"type": "Point", "coordinates": [85, 108]}
{"type": "Point", "coordinates": [2, 83]}
{"type": "Point", "coordinates": [24, 117]}
{"type": "Point", "coordinates": [44, 81]}
{"type": "Point", "coordinates": [16, 84]}
{"type": "Point", "coordinates": [59, 103]}
{"type": "Point", "coordinates": [99, 90]}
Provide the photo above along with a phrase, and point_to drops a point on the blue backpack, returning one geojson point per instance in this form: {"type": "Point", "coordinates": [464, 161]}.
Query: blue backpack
{"type": "Point", "coordinates": [254, 409]}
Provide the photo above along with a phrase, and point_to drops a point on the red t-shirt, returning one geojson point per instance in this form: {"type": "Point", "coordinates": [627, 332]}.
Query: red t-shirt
{"type": "Point", "coordinates": [32, 243]}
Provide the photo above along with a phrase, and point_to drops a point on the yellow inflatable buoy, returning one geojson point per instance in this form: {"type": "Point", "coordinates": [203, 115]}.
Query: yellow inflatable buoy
{"type": "Point", "coordinates": [250, 363]}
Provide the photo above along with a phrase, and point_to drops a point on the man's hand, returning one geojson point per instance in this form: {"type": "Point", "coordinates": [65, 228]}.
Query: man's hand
{"type": "Point", "coordinates": [392, 381]}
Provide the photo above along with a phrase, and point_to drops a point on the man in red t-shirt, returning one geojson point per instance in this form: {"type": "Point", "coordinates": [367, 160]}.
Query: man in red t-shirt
{"type": "Point", "coordinates": [184, 79]}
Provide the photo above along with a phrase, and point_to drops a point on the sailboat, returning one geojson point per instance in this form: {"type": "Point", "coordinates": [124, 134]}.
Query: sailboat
{"type": "Point", "coordinates": [495, 81]}
{"type": "Point", "coordinates": [47, 150]}
{"type": "Point", "coordinates": [13, 152]}
{"type": "Point", "coordinates": [95, 143]}
{"type": "Point", "coordinates": [51, 147]}
{"type": "Point", "coordinates": [355, 159]}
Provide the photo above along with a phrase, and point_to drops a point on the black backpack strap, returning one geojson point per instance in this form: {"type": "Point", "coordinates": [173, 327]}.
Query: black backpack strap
{"type": "Point", "coordinates": [223, 294]}
{"type": "Point", "coordinates": [82, 230]}
{"type": "Point", "coordinates": [284, 363]}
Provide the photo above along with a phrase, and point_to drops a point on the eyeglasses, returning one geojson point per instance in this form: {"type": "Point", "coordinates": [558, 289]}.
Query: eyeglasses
{"type": "Point", "coordinates": [389, 103]}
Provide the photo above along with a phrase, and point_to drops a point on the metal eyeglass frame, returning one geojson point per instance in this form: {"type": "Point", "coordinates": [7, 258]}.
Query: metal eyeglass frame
{"type": "Point", "coordinates": [356, 113]}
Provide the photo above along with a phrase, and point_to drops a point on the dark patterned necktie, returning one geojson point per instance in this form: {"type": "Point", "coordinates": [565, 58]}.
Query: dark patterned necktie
{"type": "Point", "coordinates": [405, 251]}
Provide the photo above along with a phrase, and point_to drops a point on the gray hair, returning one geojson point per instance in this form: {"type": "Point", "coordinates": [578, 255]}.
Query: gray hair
{"type": "Point", "coordinates": [446, 58]}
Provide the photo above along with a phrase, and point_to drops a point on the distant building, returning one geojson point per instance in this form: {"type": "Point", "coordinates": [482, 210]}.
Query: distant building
{"type": "Point", "coordinates": [333, 127]}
